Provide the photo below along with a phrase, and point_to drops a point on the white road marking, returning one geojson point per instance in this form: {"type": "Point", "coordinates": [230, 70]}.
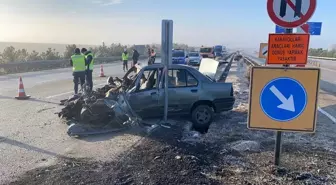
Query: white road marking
{"type": "Point", "coordinates": [332, 70]}
{"type": "Point", "coordinates": [332, 118]}
{"type": "Point", "coordinates": [61, 94]}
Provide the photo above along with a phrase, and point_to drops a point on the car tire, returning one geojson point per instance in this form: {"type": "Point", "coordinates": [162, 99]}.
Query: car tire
{"type": "Point", "coordinates": [202, 116]}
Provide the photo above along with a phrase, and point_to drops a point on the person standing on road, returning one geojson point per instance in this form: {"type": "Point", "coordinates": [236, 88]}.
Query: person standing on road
{"type": "Point", "coordinates": [77, 62]}
{"type": "Point", "coordinates": [135, 56]}
{"type": "Point", "coordinates": [153, 56]}
{"type": "Point", "coordinates": [89, 66]}
{"type": "Point", "coordinates": [124, 57]}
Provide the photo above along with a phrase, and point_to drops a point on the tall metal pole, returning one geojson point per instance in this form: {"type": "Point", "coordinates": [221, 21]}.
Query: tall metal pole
{"type": "Point", "coordinates": [166, 57]}
{"type": "Point", "coordinates": [279, 133]}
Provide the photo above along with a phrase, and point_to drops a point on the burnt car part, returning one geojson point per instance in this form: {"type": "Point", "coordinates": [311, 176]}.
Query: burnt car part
{"type": "Point", "coordinates": [103, 116]}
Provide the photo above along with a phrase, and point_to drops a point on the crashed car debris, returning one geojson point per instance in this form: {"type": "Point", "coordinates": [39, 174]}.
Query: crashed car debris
{"type": "Point", "coordinates": [94, 112]}
{"type": "Point", "coordinates": [138, 97]}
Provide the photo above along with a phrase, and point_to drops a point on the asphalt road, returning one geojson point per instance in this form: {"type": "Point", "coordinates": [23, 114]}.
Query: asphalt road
{"type": "Point", "coordinates": [31, 135]}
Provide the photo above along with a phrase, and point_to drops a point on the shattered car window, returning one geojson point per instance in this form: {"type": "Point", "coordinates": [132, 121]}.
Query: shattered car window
{"type": "Point", "coordinates": [191, 80]}
{"type": "Point", "coordinates": [149, 79]}
{"type": "Point", "coordinates": [177, 78]}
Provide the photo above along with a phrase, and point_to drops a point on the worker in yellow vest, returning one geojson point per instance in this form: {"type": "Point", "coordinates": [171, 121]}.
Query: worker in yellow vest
{"type": "Point", "coordinates": [77, 62]}
{"type": "Point", "coordinates": [89, 62]}
{"type": "Point", "coordinates": [124, 57]}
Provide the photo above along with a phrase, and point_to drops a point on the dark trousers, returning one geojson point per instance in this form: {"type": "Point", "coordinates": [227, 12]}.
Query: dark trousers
{"type": "Point", "coordinates": [79, 77]}
{"type": "Point", "coordinates": [125, 65]}
{"type": "Point", "coordinates": [89, 78]}
{"type": "Point", "coordinates": [135, 61]}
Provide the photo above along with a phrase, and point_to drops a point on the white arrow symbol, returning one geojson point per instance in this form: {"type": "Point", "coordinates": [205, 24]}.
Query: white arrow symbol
{"type": "Point", "coordinates": [287, 104]}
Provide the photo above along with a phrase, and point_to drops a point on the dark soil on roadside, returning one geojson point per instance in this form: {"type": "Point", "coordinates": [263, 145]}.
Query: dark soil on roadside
{"type": "Point", "coordinates": [163, 158]}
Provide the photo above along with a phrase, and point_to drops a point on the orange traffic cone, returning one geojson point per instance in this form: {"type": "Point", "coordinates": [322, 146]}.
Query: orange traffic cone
{"type": "Point", "coordinates": [101, 71]}
{"type": "Point", "coordinates": [22, 95]}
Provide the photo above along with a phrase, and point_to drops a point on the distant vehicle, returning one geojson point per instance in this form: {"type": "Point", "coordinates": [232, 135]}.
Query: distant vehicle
{"type": "Point", "coordinates": [218, 51]}
{"type": "Point", "coordinates": [238, 57]}
{"type": "Point", "coordinates": [207, 52]}
{"type": "Point", "coordinates": [194, 58]}
{"type": "Point", "coordinates": [190, 93]}
{"type": "Point", "coordinates": [179, 56]}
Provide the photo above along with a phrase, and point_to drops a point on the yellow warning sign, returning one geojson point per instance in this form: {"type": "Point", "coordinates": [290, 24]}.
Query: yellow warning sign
{"type": "Point", "coordinates": [283, 99]}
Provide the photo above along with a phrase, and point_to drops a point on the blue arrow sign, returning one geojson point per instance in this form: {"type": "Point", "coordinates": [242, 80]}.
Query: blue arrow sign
{"type": "Point", "coordinates": [283, 99]}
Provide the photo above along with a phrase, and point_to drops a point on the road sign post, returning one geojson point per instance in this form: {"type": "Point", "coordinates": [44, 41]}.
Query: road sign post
{"type": "Point", "coordinates": [286, 98]}
{"type": "Point", "coordinates": [283, 99]}
{"type": "Point", "coordinates": [166, 57]}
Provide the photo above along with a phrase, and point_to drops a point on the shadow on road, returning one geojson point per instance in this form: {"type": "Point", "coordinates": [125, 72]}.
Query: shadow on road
{"type": "Point", "coordinates": [30, 99]}
{"type": "Point", "coordinates": [28, 147]}
{"type": "Point", "coordinates": [328, 87]}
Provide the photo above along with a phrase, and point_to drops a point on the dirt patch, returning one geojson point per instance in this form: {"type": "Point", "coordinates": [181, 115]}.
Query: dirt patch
{"type": "Point", "coordinates": [163, 158]}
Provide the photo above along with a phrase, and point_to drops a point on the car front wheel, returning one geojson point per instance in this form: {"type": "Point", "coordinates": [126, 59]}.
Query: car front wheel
{"type": "Point", "coordinates": [202, 116]}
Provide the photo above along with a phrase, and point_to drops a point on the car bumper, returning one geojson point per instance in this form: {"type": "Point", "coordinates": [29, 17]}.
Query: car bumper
{"type": "Point", "coordinates": [194, 63]}
{"type": "Point", "coordinates": [179, 62]}
{"type": "Point", "coordinates": [224, 104]}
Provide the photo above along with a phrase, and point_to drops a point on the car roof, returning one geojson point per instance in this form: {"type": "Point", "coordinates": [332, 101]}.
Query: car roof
{"type": "Point", "coordinates": [175, 66]}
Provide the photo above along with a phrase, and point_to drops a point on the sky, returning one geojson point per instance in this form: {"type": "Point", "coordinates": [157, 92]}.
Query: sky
{"type": "Point", "coordinates": [234, 23]}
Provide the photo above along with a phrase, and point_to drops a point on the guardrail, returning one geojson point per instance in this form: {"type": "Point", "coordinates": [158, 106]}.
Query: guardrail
{"type": "Point", "coordinates": [29, 66]}
{"type": "Point", "coordinates": [322, 58]}
{"type": "Point", "coordinates": [250, 62]}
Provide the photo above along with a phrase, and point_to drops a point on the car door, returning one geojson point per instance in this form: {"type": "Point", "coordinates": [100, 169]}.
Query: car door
{"type": "Point", "coordinates": [183, 91]}
{"type": "Point", "coordinates": [144, 100]}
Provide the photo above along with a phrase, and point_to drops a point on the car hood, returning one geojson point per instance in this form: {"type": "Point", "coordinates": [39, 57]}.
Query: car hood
{"type": "Point", "coordinates": [209, 67]}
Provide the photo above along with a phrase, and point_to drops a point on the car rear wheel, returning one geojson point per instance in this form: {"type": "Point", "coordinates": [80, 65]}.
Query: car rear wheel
{"type": "Point", "coordinates": [202, 116]}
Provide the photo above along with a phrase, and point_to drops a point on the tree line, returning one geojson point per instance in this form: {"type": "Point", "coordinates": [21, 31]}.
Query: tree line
{"type": "Point", "coordinates": [11, 54]}
{"type": "Point", "coordinates": [320, 52]}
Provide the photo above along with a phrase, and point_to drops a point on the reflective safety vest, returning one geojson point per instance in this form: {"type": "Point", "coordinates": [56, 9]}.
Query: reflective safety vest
{"type": "Point", "coordinates": [124, 56]}
{"type": "Point", "coordinates": [92, 61]}
{"type": "Point", "coordinates": [78, 63]}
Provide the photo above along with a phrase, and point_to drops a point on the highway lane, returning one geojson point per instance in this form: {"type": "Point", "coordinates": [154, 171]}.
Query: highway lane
{"type": "Point", "coordinates": [31, 135]}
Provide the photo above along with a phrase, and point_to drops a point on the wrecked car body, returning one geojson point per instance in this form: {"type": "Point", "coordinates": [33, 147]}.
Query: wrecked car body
{"type": "Point", "coordinates": [191, 94]}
